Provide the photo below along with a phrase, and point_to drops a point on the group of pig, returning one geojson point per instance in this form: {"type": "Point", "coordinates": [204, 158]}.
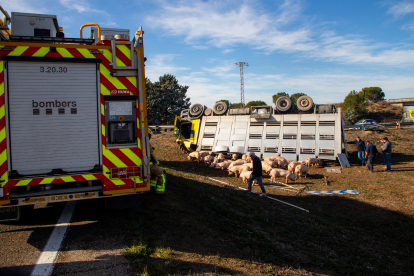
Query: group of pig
{"type": "Point", "coordinates": [274, 166]}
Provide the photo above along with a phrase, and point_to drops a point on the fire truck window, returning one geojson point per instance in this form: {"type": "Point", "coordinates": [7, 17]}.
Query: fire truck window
{"type": "Point", "coordinates": [186, 131]}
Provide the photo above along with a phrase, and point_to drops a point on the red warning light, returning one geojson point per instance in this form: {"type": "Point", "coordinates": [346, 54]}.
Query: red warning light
{"type": "Point", "coordinates": [121, 118]}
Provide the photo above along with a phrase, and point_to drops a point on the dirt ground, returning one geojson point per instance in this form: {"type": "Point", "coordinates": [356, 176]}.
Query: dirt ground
{"type": "Point", "coordinates": [202, 227]}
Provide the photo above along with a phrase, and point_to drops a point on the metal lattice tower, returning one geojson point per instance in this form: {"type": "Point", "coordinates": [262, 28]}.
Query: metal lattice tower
{"type": "Point", "coordinates": [241, 65]}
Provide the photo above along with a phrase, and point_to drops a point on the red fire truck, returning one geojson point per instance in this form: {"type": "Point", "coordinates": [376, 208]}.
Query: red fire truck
{"type": "Point", "coordinates": [73, 117]}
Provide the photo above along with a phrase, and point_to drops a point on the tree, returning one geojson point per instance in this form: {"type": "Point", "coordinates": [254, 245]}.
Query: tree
{"type": "Point", "coordinates": [255, 103]}
{"type": "Point", "coordinates": [278, 95]}
{"type": "Point", "coordinates": [235, 105]}
{"type": "Point", "coordinates": [294, 97]}
{"type": "Point", "coordinates": [350, 117]}
{"type": "Point", "coordinates": [372, 93]}
{"type": "Point", "coordinates": [355, 101]}
{"type": "Point", "coordinates": [165, 99]}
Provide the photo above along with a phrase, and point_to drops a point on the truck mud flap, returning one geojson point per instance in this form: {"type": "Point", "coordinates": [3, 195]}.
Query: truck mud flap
{"type": "Point", "coordinates": [10, 213]}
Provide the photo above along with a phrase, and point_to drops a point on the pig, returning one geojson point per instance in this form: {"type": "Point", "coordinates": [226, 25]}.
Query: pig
{"type": "Point", "coordinates": [266, 167]}
{"type": "Point", "coordinates": [223, 165]}
{"type": "Point", "coordinates": [273, 164]}
{"type": "Point", "coordinates": [220, 158]}
{"type": "Point", "coordinates": [311, 162]}
{"type": "Point", "coordinates": [281, 173]}
{"type": "Point", "coordinates": [235, 156]}
{"type": "Point", "coordinates": [245, 175]}
{"type": "Point", "coordinates": [292, 166]}
{"type": "Point", "coordinates": [249, 166]}
{"type": "Point", "coordinates": [244, 156]}
{"type": "Point", "coordinates": [237, 162]}
{"type": "Point", "coordinates": [208, 159]}
{"type": "Point", "coordinates": [301, 170]}
{"type": "Point", "coordinates": [282, 163]}
{"type": "Point", "coordinates": [212, 165]}
{"type": "Point", "coordinates": [236, 170]}
{"type": "Point", "coordinates": [204, 153]}
{"type": "Point", "coordinates": [194, 156]}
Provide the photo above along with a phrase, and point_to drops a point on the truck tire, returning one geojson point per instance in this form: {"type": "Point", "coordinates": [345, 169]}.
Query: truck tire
{"type": "Point", "coordinates": [304, 103]}
{"type": "Point", "coordinates": [208, 112]}
{"type": "Point", "coordinates": [196, 110]}
{"type": "Point", "coordinates": [220, 108]}
{"type": "Point", "coordinates": [283, 104]}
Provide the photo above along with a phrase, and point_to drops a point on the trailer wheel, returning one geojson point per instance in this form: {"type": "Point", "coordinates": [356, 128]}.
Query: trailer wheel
{"type": "Point", "coordinates": [208, 112]}
{"type": "Point", "coordinates": [220, 108]}
{"type": "Point", "coordinates": [283, 104]}
{"type": "Point", "coordinates": [304, 103]}
{"type": "Point", "coordinates": [196, 110]}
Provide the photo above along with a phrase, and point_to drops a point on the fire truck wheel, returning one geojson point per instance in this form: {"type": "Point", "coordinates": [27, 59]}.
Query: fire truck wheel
{"type": "Point", "coordinates": [304, 103]}
{"type": "Point", "coordinates": [196, 110]}
{"type": "Point", "coordinates": [283, 104]}
{"type": "Point", "coordinates": [220, 108]}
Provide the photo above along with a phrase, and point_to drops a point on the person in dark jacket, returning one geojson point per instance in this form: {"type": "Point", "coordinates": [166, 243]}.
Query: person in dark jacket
{"type": "Point", "coordinates": [360, 145]}
{"type": "Point", "coordinates": [386, 152]}
{"type": "Point", "coordinates": [256, 174]}
{"type": "Point", "coordinates": [370, 153]}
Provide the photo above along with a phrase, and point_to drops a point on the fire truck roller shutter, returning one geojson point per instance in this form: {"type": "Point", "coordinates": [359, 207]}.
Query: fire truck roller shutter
{"type": "Point", "coordinates": [53, 115]}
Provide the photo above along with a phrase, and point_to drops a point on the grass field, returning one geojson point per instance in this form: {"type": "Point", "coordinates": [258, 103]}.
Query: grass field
{"type": "Point", "coordinates": [202, 227]}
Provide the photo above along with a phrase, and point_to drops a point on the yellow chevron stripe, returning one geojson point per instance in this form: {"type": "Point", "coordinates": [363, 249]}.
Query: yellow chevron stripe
{"type": "Point", "coordinates": [107, 54]}
{"type": "Point", "coordinates": [85, 53]}
{"type": "Point", "coordinates": [2, 112]}
{"type": "Point", "coordinates": [132, 80]}
{"type": "Point", "coordinates": [1, 66]}
{"type": "Point", "coordinates": [115, 82]}
{"type": "Point", "coordinates": [119, 63]}
{"type": "Point", "coordinates": [68, 179]}
{"type": "Point", "coordinates": [18, 51]}
{"type": "Point", "coordinates": [64, 53]}
{"type": "Point", "coordinates": [124, 49]}
{"type": "Point", "coordinates": [114, 159]}
{"type": "Point", "coordinates": [41, 52]}
{"type": "Point", "coordinates": [3, 156]}
{"type": "Point", "coordinates": [139, 143]}
{"type": "Point", "coordinates": [47, 180]}
{"type": "Point", "coordinates": [131, 155]}
{"type": "Point", "coordinates": [2, 134]}
{"type": "Point", "coordinates": [89, 177]}
{"type": "Point", "coordinates": [104, 90]}
{"type": "Point", "coordinates": [2, 88]}
{"type": "Point", "coordinates": [102, 109]}
{"type": "Point", "coordinates": [114, 181]}
{"type": "Point", "coordinates": [23, 182]}
{"type": "Point", "coordinates": [5, 177]}
{"type": "Point", "coordinates": [103, 130]}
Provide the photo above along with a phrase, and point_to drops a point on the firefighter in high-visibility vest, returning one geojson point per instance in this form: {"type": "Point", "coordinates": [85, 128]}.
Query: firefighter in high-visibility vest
{"type": "Point", "coordinates": [158, 175]}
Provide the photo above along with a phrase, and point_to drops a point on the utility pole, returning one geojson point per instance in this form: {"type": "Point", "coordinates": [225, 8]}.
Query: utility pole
{"type": "Point", "coordinates": [241, 65]}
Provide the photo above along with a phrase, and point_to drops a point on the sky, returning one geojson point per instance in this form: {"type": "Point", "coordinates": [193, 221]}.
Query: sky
{"type": "Point", "coordinates": [323, 48]}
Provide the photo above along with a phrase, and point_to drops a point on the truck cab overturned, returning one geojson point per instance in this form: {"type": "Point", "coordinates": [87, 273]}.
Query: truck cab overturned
{"type": "Point", "coordinates": [73, 113]}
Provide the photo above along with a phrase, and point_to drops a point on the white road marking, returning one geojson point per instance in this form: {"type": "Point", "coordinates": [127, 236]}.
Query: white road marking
{"type": "Point", "coordinates": [44, 265]}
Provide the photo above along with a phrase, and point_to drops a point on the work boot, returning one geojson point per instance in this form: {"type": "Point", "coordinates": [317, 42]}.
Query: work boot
{"type": "Point", "coordinates": [263, 195]}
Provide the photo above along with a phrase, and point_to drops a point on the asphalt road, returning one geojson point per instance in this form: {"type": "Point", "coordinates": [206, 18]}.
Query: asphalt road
{"type": "Point", "coordinates": [22, 242]}
{"type": "Point", "coordinates": [93, 244]}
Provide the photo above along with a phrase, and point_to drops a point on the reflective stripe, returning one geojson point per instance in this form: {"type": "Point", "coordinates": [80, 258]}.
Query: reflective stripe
{"type": "Point", "coordinates": [153, 183]}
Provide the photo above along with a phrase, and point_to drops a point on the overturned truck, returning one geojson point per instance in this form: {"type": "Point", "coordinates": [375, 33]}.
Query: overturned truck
{"type": "Point", "coordinates": [295, 133]}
